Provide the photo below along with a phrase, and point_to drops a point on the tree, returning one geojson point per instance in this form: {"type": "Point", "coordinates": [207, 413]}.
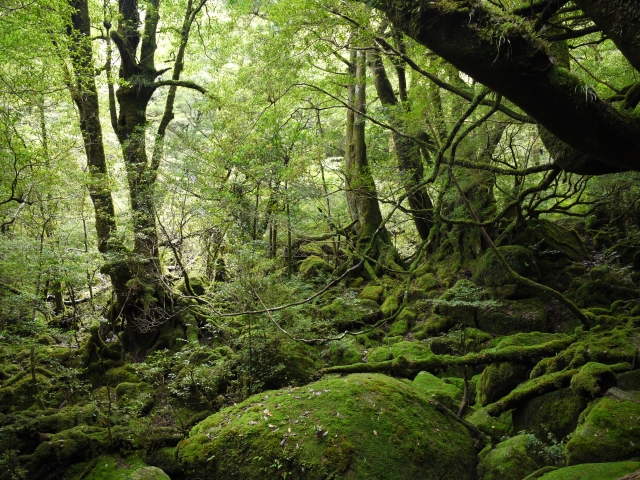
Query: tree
{"type": "Point", "coordinates": [505, 51]}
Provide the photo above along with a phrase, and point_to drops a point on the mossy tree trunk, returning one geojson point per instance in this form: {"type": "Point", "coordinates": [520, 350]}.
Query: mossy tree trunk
{"type": "Point", "coordinates": [361, 191]}
{"type": "Point", "coordinates": [135, 275]}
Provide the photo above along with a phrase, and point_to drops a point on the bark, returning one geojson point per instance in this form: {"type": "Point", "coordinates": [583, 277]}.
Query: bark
{"type": "Point", "coordinates": [407, 151]}
{"type": "Point", "coordinates": [516, 65]}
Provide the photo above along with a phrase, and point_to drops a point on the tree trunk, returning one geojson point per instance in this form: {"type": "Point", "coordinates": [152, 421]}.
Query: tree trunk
{"type": "Point", "coordinates": [407, 151]}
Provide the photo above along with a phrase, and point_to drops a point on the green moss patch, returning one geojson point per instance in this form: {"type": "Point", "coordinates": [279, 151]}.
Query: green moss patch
{"type": "Point", "coordinates": [359, 426]}
{"type": "Point", "coordinates": [610, 432]}
{"type": "Point", "coordinates": [436, 388]}
{"type": "Point", "coordinates": [593, 471]}
{"type": "Point", "coordinates": [509, 460]}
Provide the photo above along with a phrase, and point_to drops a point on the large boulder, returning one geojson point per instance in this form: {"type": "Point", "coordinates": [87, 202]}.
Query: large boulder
{"type": "Point", "coordinates": [491, 272]}
{"type": "Point", "coordinates": [359, 426]}
{"type": "Point", "coordinates": [513, 316]}
{"type": "Point", "coordinates": [497, 380]}
{"type": "Point", "coordinates": [593, 471]}
{"type": "Point", "coordinates": [552, 241]}
{"type": "Point", "coordinates": [509, 460]}
{"type": "Point", "coordinates": [436, 388]}
{"type": "Point", "coordinates": [610, 432]}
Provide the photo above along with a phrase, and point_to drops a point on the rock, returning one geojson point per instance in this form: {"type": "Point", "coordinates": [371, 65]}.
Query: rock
{"type": "Point", "coordinates": [509, 460]}
{"type": "Point", "coordinates": [122, 374]}
{"type": "Point", "coordinates": [593, 471]}
{"type": "Point", "coordinates": [497, 380]}
{"type": "Point", "coordinates": [496, 428]}
{"type": "Point", "coordinates": [345, 313]}
{"type": "Point", "coordinates": [553, 241]}
{"type": "Point", "coordinates": [610, 432]}
{"type": "Point", "coordinates": [371, 292]}
{"type": "Point", "coordinates": [491, 273]}
{"type": "Point", "coordinates": [426, 282]}
{"type": "Point", "coordinates": [555, 412]}
{"type": "Point", "coordinates": [410, 350]}
{"type": "Point", "coordinates": [447, 394]}
{"type": "Point", "coordinates": [313, 266]}
{"type": "Point", "coordinates": [461, 302]}
{"type": "Point", "coordinates": [513, 315]}
{"type": "Point", "coordinates": [359, 426]}
{"type": "Point", "coordinates": [629, 380]}
{"type": "Point", "coordinates": [390, 306]}
{"type": "Point", "coordinates": [149, 473]}
{"type": "Point", "coordinates": [593, 380]}
{"type": "Point", "coordinates": [135, 396]}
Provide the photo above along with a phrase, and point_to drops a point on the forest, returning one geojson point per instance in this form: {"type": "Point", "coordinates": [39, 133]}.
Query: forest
{"type": "Point", "coordinates": [319, 239]}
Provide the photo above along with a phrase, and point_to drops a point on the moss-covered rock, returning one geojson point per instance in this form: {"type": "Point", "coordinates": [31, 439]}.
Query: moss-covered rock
{"type": "Point", "coordinates": [345, 313]}
{"type": "Point", "coordinates": [372, 292]}
{"type": "Point", "coordinates": [513, 316]}
{"type": "Point", "coordinates": [555, 412]}
{"type": "Point", "coordinates": [491, 273]}
{"type": "Point", "coordinates": [135, 397]}
{"type": "Point", "coordinates": [610, 432]}
{"type": "Point", "coordinates": [593, 380]}
{"type": "Point", "coordinates": [112, 467]}
{"type": "Point", "coordinates": [495, 427]}
{"type": "Point", "coordinates": [629, 380]}
{"type": "Point", "coordinates": [313, 266]}
{"type": "Point", "coordinates": [593, 471]}
{"type": "Point", "coordinates": [166, 459]}
{"type": "Point", "coordinates": [390, 306]}
{"type": "Point", "coordinates": [122, 374]}
{"type": "Point", "coordinates": [398, 328]}
{"type": "Point", "coordinates": [497, 380]}
{"type": "Point", "coordinates": [552, 241]}
{"type": "Point", "coordinates": [461, 302]}
{"type": "Point", "coordinates": [509, 460]}
{"type": "Point", "coordinates": [446, 393]}
{"type": "Point", "coordinates": [360, 426]}
{"type": "Point", "coordinates": [426, 282]}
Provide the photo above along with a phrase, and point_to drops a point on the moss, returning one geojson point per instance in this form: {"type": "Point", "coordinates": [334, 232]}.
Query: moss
{"type": "Point", "coordinates": [136, 397]}
{"type": "Point", "coordinates": [166, 459]}
{"type": "Point", "coordinates": [346, 313]}
{"type": "Point", "coordinates": [122, 374]}
{"type": "Point", "coordinates": [409, 350]}
{"type": "Point", "coordinates": [371, 292]}
{"type": "Point", "coordinates": [513, 316]}
{"type": "Point", "coordinates": [390, 306]}
{"type": "Point", "coordinates": [426, 282]}
{"type": "Point", "coordinates": [593, 471]}
{"type": "Point", "coordinates": [399, 327]}
{"type": "Point", "coordinates": [149, 473]}
{"type": "Point", "coordinates": [552, 241]}
{"type": "Point", "coordinates": [602, 240]}
{"type": "Point", "coordinates": [555, 412]}
{"type": "Point", "coordinates": [527, 339]}
{"type": "Point", "coordinates": [491, 273]}
{"type": "Point", "coordinates": [610, 432]}
{"type": "Point", "coordinates": [593, 379]}
{"type": "Point", "coordinates": [108, 467]}
{"type": "Point", "coordinates": [497, 380]}
{"type": "Point", "coordinates": [461, 302]}
{"type": "Point", "coordinates": [447, 394]}
{"type": "Point", "coordinates": [313, 266]}
{"type": "Point", "coordinates": [495, 427]}
{"type": "Point", "coordinates": [437, 324]}
{"type": "Point", "coordinates": [360, 426]}
{"type": "Point", "coordinates": [509, 460]}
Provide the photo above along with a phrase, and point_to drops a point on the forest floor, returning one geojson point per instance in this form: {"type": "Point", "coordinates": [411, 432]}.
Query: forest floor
{"type": "Point", "coordinates": [451, 371]}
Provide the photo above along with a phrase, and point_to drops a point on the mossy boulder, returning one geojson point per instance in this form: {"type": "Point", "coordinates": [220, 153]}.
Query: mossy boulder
{"type": "Point", "coordinates": [629, 380]}
{"type": "Point", "coordinates": [593, 471]}
{"type": "Point", "coordinates": [426, 282]}
{"type": "Point", "coordinates": [555, 412]}
{"type": "Point", "coordinates": [122, 374]}
{"type": "Point", "coordinates": [345, 313]}
{"type": "Point", "coordinates": [446, 393]}
{"type": "Point", "coordinates": [495, 427]}
{"type": "Point", "coordinates": [437, 324]}
{"type": "Point", "coordinates": [513, 316]}
{"type": "Point", "coordinates": [497, 380]}
{"type": "Point", "coordinates": [390, 306]}
{"type": "Point", "coordinates": [491, 272]}
{"type": "Point", "coordinates": [593, 380]}
{"type": "Point", "coordinates": [149, 473]}
{"type": "Point", "coordinates": [610, 432]}
{"type": "Point", "coordinates": [509, 460]}
{"type": "Point", "coordinates": [552, 241]}
{"type": "Point", "coordinates": [166, 459]}
{"type": "Point", "coordinates": [135, 397]}
{"type": "Point", "coordinates": [314, 266]}
{"type": "Point", "coordinates": [359, 426]}
{"type": "Point", "coordinates": [112, 467]}
{"type": "Point", "coordinates": [461, 302]}
{"type": "Point", "coordinates": [372, 292]}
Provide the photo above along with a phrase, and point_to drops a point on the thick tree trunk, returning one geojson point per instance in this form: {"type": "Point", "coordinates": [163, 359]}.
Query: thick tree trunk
{"type": "Point", "coordinates": [407, 151]}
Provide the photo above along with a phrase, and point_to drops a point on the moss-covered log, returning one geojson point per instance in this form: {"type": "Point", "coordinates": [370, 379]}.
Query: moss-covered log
{"type": "Point", "coordinates": [401, 367]}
